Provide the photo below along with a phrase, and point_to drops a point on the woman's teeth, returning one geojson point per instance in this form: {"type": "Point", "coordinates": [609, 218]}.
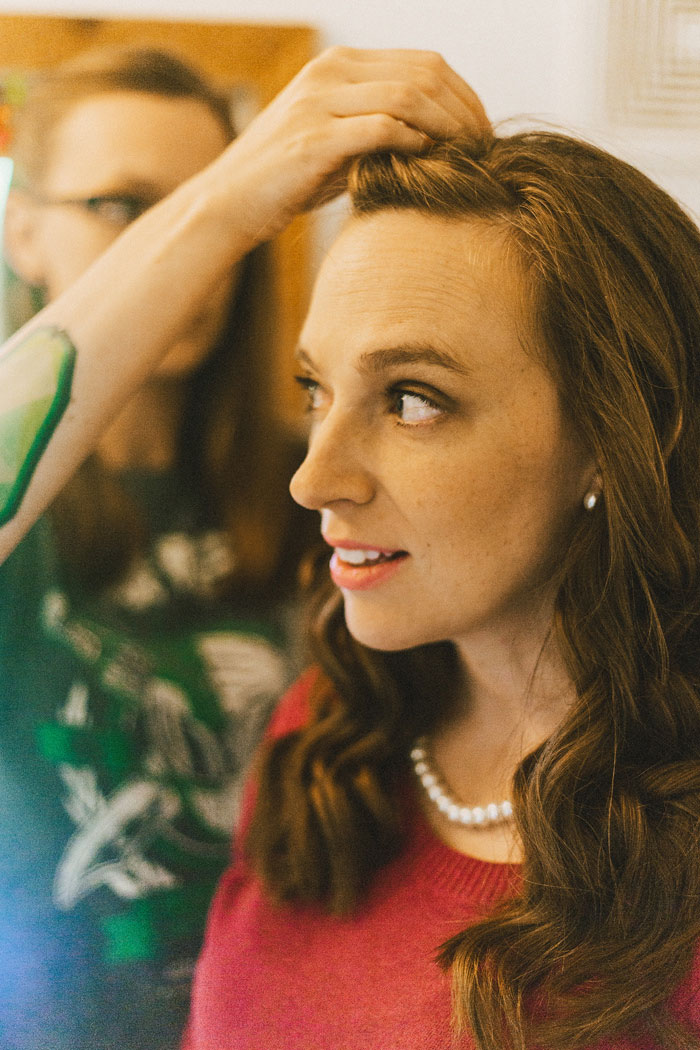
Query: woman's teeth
{"type": "Point", "coordinates": [359, 557]}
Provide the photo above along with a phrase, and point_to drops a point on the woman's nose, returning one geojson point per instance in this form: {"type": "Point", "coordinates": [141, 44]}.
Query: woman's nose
{"type": "Point", "coordinates": [334, 469]}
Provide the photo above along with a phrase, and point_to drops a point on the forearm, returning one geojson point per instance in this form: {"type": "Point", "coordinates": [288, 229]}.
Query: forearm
{"type": "Point", "coordinates": [121, 316]}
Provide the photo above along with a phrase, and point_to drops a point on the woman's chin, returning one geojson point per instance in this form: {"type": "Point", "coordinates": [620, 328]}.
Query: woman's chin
{"type": "Point", "coordinates": [385, 637]}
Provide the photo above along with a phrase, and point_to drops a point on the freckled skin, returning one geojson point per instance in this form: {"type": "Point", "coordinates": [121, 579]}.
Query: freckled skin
{"type": "Point", "coordinates": [483, 491]}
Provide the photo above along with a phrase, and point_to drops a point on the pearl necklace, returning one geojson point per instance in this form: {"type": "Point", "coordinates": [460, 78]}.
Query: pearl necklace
{"type": "Point", "coordinates": [436, 790]}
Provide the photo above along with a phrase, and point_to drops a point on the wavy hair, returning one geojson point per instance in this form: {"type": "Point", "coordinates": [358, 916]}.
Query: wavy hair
{"type": "Point", "coordinates": [608, 808]}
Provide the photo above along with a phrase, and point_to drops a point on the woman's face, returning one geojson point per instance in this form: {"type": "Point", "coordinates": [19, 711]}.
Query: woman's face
{"type": "Point", "coordinates": [447, 476]}
{"type": "Point", "coordinates": [122, 152]}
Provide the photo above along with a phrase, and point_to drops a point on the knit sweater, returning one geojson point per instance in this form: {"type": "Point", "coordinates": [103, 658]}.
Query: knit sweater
{"type": "Point", "coordinates": [293, 977]}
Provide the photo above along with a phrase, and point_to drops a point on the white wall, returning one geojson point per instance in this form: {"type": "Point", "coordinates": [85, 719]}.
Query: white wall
{"type": "Point", "coordinates": [504, 47]}
{"type": "Point", "coordinates": [539, 57]}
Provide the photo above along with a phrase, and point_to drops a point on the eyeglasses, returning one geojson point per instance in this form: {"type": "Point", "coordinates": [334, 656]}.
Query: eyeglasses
{"type": "Point", "coordinates": [117, 209]}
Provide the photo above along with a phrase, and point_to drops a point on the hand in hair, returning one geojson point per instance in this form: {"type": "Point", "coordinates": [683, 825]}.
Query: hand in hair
{"type": "Point", "coordinates": [344, 103]}
{"type": "Point", "coordinates": [146, 288]}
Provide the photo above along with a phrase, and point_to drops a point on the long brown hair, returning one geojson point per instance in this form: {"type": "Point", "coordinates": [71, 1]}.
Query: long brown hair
{"type": "Point", "coordinates": [233, 457]}
{"type": "Point", "coordinates": [608, 808]}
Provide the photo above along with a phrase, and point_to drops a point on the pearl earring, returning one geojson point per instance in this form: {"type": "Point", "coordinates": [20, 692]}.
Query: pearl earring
{"type": "Point", "coordinates": [590, 500]}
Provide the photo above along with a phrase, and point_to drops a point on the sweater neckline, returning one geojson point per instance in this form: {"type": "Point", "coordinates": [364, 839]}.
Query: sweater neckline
{"type": "Point", "coordinates": [448, 872]}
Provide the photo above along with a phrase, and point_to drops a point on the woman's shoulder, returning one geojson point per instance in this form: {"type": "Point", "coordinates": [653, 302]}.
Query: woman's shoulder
{"type": "Point", "coordinates": [684, 1003]}
{"type": "Point", "coordinates": [688, 996]}
{"type": "Point", "coordinates": [293, 710]}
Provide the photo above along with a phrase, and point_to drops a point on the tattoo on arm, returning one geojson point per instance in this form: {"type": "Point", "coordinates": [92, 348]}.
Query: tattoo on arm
{"type": "Point", "coordinates": [35, 389]}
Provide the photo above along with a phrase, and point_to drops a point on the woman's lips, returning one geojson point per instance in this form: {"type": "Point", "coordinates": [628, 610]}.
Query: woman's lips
{"type": "Point", "coordinates": [354, 567]}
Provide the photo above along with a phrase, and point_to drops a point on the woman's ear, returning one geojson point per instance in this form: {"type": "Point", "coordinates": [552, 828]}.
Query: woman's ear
{"type": "Point", "coordinates": [20, 234]}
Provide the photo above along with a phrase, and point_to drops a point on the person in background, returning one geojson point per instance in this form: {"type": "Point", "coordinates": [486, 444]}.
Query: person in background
{"type": "Point", "coordinates": [147, 619]}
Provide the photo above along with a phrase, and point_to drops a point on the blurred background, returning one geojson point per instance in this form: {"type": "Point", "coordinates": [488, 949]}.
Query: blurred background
{"type": "Point", "coordinates": [626, 72]}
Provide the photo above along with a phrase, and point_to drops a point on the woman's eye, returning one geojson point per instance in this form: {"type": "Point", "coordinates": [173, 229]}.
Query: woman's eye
{"type": "Point", "coordinates": [415, 408]}
{"type": "Point", "coordinates": [312, 392]}
{"type": "Point", "coordinates": [117, 210]}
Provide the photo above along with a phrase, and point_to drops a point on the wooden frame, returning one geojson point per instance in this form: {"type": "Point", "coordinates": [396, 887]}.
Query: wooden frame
{"type": "Point", "coordinates": [261, 57]}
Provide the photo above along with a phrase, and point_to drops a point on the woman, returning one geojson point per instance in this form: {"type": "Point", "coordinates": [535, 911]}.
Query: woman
{"type": "Point", "coordinates": [504, 387]}
{"type": "Point", "coordinates": [62, 382]}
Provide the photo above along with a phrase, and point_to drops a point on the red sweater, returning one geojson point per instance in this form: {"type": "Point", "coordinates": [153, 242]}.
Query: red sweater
{"type": "Point", "coordinates": [294, 978]}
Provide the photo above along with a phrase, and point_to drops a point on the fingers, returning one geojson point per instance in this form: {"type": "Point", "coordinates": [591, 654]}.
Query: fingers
{"type": "Point", "coordinates": [423, 83]}
{"type": "Point", "coordinates": [431, 75]}
{"type": "Point", "coordinates": [342, 104]}
{"type": "Point", "coordinates": [375, 132]}
{"type": "Point", "coordinates": [402, 101]}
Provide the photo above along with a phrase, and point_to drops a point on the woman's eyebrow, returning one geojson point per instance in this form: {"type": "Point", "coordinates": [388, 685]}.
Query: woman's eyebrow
{"type": "Point", "coordinates": [381, 360]}
{"type": "Point", "coordinates": [410, 354]}
{"type": "Point", "coordinates": [303, 358]}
